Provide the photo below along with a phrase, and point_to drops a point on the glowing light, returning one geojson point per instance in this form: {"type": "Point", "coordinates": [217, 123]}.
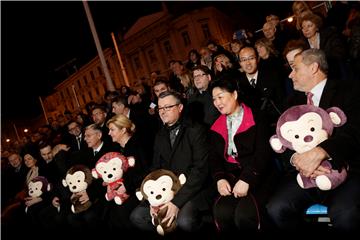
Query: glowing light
{"type": "Point", "coordinates": [7, 140]}
{"type": "Point", "coordinates": [26, 130]}
{"type": "Point", "coordinates": [290, 19]}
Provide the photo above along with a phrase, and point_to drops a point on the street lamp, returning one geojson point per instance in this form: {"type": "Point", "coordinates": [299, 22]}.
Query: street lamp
{"type": "Point", "coordinates": [7, 140]}
{"type": "Point", "coordinates": [26, 130]}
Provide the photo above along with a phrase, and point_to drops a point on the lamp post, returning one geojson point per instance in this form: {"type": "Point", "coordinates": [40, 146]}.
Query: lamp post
{"type": "Point", "coordinates": [109, 83]}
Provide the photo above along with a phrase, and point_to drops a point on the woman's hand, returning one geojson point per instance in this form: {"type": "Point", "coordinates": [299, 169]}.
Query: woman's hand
{"type": "Point", "coordinates": [241, 189]}
{"type": "Point", "coordinates": [223, 187]}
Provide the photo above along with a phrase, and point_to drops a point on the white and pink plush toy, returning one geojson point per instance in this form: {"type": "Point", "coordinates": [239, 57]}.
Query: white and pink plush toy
{"type": "Point", "coordinates": [302, 128]}
{"type": "Point", "coordinates": [111, 168]}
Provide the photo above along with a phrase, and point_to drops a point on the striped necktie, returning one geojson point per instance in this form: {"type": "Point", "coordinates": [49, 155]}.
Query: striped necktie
{"type": "Point", "coordinates": [309, 100]}
{"type": "Point", "coordinates": [252, 82]}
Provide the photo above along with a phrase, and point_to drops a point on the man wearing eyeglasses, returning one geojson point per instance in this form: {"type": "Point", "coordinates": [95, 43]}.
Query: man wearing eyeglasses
{"type": "Point", "coordinates": [200, 104]}
{"type": "Point", "coordinates": [180, 146]}
{"type": "Point", "coordinates": [263, 87]}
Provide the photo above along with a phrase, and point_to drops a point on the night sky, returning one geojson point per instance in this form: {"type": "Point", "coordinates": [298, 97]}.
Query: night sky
{"type": "Point", "coordinates": [38, 37]}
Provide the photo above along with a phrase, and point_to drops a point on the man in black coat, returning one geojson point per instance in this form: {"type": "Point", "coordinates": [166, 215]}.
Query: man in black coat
{"type": "Point", "coordinates": [180, 146]}
{"type": "Point", "coordinates": [289, 203]}
{"type": "Point", "coordinates": [263, 88]}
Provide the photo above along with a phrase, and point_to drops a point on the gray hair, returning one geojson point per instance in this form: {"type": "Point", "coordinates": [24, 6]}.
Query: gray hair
{"type": "Point", "coordinates": [315, 55]}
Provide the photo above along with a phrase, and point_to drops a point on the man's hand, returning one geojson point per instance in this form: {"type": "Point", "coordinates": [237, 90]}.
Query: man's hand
{"type": "Point", "coordinates": [56, 202]}
{"type": "Point", "coordinates": [29, 201]}
{"type": "Point", "coordinates": [306, 163]}
{"type": "Point", "coordinates": [171, 213]}
{"type": "Point", "coordinates": [84, 197]}
{"type": "Point", "coordinates": [58, 148]}
{"type": "Point", "coordinates": [240, 189]}
{"type": "Point", "coordinates": [223, 187]}
{"type": "Point", "coordinates": [320, 171]}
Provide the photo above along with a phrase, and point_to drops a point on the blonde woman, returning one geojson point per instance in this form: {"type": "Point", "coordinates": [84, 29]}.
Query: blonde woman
{"type": "Point", "coordinates": [123, 131]}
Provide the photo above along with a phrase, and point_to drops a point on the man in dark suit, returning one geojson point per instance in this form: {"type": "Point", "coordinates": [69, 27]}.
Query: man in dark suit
{"type": "Point", "coordinates": [180, 146]}
{"type": "Point", "coordinates": [95, 193]}
{"type": "Point", "coordinates": [262, 87]}
{"type": "Point", "coordinates": [289, 203]}
{"type": "Point", "coordinates": [76, 140]}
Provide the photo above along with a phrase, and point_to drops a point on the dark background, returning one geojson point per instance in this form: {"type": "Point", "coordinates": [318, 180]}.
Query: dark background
{"type": "Point", "coordinates": [39, 37]}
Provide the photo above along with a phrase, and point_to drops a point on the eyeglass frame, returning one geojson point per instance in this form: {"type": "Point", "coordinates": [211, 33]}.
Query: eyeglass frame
{"type": "Point", "coordinates": [248, 58]}
{"type": "Point", "coordinates": [167, 108]}
{"type": "Point", "coordinates": [200, 75]}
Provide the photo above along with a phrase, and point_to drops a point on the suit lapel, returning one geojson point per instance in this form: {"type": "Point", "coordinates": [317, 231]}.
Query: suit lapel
{"type": "Point", "coordinates": [328, 94]}
{"type": "Point", "coordinates": [177, 140]}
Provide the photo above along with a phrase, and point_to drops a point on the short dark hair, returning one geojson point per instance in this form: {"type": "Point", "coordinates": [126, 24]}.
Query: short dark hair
{"type": "Point", "coordinates": [99, 106]}
{"type": "Point", "coordinates": [229, 83]}
{"type": "Point", "coordinates": [202, 68]}
{"type": "Point", "coordinates": [294, 44]}
{"type": "Point", "coordinates": [176, 95]}
{"type": "Point", "coordinates": [161, 80]}
{"type": "Point", "coordinates": [120, 100]}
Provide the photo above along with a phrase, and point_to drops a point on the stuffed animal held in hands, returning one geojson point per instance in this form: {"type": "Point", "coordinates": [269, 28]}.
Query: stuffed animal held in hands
{"type": "Point", "coordinates": [111, 168]}
{"type": "Point", "coordinates": [36, 187]}
{"type": "Point", "coordinates": [159, 187]}
{"type": "Point", "coordinates": [78, 178]}
{"type": "Point", "coordinates": [302, 128]}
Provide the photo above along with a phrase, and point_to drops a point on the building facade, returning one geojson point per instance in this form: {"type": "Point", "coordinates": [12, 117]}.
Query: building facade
{"type": "Point", "coordinates": [156, 39]}
{"type": "Point", "coordinates": [148, 46]}
{"type": "Point", "coordinates": [88, 84]}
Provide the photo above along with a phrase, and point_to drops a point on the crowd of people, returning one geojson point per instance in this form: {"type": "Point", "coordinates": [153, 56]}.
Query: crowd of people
{"type": "Point", "coordinates": [210, 119]}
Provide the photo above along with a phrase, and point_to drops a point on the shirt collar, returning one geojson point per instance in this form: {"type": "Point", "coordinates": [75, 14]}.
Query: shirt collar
{"type": "Point", "coordinates": [99, 148]}
{"type": "Point", "coordinates": [253, 77]}
{"type": "Point", "coordinates": [317, 91]}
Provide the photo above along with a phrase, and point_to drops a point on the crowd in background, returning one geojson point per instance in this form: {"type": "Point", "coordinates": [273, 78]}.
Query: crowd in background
{"type": "Point", "coordinates": [192, 121]}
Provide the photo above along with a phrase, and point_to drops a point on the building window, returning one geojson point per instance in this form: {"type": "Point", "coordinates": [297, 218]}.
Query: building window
{"type": "Point", "coordinates": [79, 83]}
{"type": "Point", "coordinates": [92, 75]}
{"type": "Point", "coordinates": [152, 56]}
{"type": "Point", "coordinates": [85, 81]}
{"type": "Point", "coordinates": [206, 30]}
{"type": "Point", "coordinates": [167, 47]}
{"type": "Point", "coordinates": [97, 92]}
{"type": "Point", "coordinates": [100, 71]}
{"type": "Point", "coordinates": [91, 96]}
{"type": "Point", "coordinates": [137, 63]}
{"type": "Point", "coordinates": [186, 38]}
{"type": "Point", "coordinates": [62, 95]}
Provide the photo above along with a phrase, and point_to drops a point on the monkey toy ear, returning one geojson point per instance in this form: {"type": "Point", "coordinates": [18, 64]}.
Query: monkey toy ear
{"type": "Point", "coordinates": [182, 179]}
{"type": "Point", "coordinates": [95, 174]}
{"type": "Point", "coordinates": [49, 187]}
{"type": "Point", "coordinates": [139, 195]}
{"type": "Point", "coordinates": [64, 183]}
{"type": "Point", "coordinates": [276, 144]}
{"type": "Point", "coordinates": [337, 116]}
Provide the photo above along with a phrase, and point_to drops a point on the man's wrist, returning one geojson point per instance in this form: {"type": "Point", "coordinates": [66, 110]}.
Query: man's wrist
{"type": "Point", "coordinates": [291, 160]}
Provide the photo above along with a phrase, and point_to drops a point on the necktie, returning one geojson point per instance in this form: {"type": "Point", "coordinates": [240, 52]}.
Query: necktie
{"type": "Point", "coordinates": [95, 152]}
{"type": "Point", "coordinates": [252, 83]}
{"type": "Point", "coordinates": [78, 141]}
{"type": "Point", "coordinates": [309, 96]}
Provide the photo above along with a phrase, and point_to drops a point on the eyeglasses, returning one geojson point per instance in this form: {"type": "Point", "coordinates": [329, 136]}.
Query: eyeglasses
{"type": "Point", "coordinates": [73, 129]}
{"type": "Point", "coordinates": [200, 75]}
{"type": "Point", "coordinates": [167, 108]}
{"type": "Point", "coordinates": [247, 59]}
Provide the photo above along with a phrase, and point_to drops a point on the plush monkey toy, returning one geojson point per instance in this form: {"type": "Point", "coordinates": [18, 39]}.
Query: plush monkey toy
{"type": "Point", "coordinates": [302, 128]}
{"type": "Point", "coordinates": [111, 168]}
{"type": "Point", "coordinates": [36, 187]}
{"type": "Point", "coordinates": [78, 178]}
{"type": "Point", "coordinates": [159, 187]}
